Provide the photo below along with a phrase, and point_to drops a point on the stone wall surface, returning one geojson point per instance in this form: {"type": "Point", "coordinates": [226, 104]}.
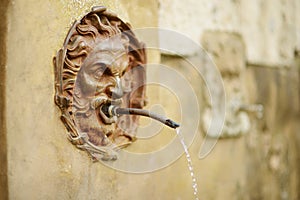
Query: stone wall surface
{"type": "Point", "coordinates": [255, 45]}
{"type": "Point", "coordinates": [273, 146]}
{"type": "Point", "coordinates": [269, 28]}
{"type": "Point", "coordinates": [42, 164]}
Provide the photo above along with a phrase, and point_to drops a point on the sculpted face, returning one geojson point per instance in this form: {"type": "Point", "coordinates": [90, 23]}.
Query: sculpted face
{"type": "Point", "coordinates": [99, 82]}
{"type": "Point", "coordinates": [88, 73]}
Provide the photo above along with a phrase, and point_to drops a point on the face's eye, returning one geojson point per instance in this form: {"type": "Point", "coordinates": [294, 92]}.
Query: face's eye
{"type": "Point", "coordinates": [99, 70]}
{"type": "Point", "coordinates": [123, 73]}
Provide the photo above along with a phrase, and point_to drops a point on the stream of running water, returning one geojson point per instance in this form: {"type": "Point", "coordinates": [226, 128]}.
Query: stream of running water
{"type": "Point", "coordinates": [190, 164]}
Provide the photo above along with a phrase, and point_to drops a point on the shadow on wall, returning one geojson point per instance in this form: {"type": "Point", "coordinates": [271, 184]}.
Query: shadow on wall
{"type": "Point", "coordinates": [3, 145]}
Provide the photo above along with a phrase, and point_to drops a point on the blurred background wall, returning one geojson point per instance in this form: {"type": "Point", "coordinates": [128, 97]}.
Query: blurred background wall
{"type": "Point", "coordinates": [256, 47]}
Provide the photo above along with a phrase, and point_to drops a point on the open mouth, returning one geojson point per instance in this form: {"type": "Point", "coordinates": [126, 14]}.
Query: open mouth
{"type": "Point", "coordinates": [104, 117]}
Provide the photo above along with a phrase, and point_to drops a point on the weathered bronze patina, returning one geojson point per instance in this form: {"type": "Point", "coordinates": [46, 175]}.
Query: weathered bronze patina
{"type": "Point", "coordinates": [101, 63]}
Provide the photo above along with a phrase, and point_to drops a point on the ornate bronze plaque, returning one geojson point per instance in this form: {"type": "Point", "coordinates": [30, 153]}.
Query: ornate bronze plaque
{"type": "Point", "coordinates": [101, 62]}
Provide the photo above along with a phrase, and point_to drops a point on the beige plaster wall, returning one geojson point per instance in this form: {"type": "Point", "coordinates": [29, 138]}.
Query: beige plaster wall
{"type": "Point", "coordinates": [42, 164]}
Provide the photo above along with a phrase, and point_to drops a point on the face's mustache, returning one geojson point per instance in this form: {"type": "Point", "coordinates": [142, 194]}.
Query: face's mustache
{"type": "Point", "coordinates": [98, 102]}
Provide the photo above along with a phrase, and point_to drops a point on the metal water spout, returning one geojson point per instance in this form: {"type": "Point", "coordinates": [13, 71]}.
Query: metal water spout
{"type": "Point", "coordinates": [238, 106]}
{"type": "Point", "coordinates": [111, 111]}
{"type": "Point", "coordinates": [258, 109]}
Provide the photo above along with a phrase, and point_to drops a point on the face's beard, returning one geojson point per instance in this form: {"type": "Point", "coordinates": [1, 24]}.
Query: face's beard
{"type": "Point", "coordinates": [90, 118]}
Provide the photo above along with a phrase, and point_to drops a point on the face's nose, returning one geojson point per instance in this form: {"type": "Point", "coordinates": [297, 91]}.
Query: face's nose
{"type": "Point", "coordinates": [117, 91]}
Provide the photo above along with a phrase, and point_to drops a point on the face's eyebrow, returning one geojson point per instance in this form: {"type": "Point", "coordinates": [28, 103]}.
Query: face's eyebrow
{"type": "Point", "coordinates": [102, 62]}
{"type": "Point", "coordinates": [98, 65]}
